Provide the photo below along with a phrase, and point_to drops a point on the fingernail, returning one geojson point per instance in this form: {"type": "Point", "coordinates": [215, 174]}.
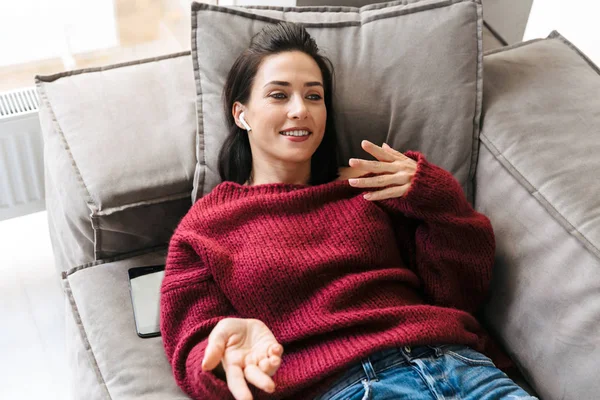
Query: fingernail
{"type": "Point", "coordinates": [367, 196]}
{"type": "Point", "coordinates": [385, 145]}
{"type": "Point", "coordinates": [352, 181]}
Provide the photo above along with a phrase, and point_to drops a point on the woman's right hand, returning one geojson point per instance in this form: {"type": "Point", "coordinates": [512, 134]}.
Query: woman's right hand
{"type": "Point", "coordinates": [247, 351]}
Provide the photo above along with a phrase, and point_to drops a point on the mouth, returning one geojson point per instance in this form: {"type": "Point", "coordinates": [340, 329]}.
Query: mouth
{"type": "Point", "coordinates": [296, 133]}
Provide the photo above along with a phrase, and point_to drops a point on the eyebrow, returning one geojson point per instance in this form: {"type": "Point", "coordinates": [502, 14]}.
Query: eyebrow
{"type": "Point", "coordinates": [284, 83]}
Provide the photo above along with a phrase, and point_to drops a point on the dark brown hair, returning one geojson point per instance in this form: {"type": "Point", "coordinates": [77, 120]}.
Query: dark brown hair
{"type": "Point", "coordinates": [235, 157]}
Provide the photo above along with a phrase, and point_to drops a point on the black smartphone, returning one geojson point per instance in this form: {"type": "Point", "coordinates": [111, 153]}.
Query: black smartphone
{"type": "Point", "coordinates": [144, 287]}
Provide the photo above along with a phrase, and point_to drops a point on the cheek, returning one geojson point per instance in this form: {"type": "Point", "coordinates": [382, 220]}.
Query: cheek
{"type": "Point", "coordinates": [275, 112]}
{"type": "Point", "coordinates": [271, 117]}
{"type": "Point", "coordinates": [321, 117]}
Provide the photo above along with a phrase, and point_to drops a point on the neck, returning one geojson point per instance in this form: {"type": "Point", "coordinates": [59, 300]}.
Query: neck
{"type": "Point", "coordinates": [294, 174]}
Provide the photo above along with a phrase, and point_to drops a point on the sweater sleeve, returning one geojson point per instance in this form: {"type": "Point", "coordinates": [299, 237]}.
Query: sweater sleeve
{"type": "Point", "coordinates": [453, 245]}
{"type": "Point", "coordinates": [191, 305]}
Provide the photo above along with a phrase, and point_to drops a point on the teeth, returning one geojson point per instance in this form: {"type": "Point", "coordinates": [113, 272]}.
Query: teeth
{"type": "Point", "coordinates": [295, 133]}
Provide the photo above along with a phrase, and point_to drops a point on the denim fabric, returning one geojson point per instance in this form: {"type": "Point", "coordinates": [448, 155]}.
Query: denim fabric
{"type": "Point", "coordinates": [425, 373]}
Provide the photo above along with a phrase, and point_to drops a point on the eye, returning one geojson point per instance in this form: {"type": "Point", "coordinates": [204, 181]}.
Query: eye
{"type": "Point", "coordinates": [314, 96]}
{"type": "Point", "coordinates": [278, 96]}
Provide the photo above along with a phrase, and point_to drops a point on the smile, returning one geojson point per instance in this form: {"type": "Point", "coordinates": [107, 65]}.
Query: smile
{"type": "Point", "coordinates": [295, 133]}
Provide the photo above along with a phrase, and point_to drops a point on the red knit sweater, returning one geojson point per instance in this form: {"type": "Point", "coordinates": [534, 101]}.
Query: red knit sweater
{"type": "Point", "coordinates": [334, 276]}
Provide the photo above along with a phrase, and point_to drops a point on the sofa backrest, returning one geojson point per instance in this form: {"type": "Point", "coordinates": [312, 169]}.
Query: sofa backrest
{"type": "Point", "coordinates": [537, 181]}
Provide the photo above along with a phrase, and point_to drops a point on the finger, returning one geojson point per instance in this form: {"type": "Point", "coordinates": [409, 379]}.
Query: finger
{"type": "Point", "coordinates": [391, 150]}
{"type": "Point", "coordinates": [251, 359]}
{"type": "Point", "coordinates": [388, 193]}
{"type": "Point", "coordinates": [377, 151]}
{"type": "Point", "coordinates": [270, 365]}
{"type": "Point", "coordinates": [259, 379]}
{"type": "Point", "coordinates": [214, 350]}
{"type": "Point", "coordinates": [373, 166]}
{"type": "Point", "coordinates": [275, 350]}
{"type": "Point", "coordinates": [236, 383]}
{"type": "Point", "coordinates": [375, 181]}
{"type": "Point", "coordinates": [401, 156]}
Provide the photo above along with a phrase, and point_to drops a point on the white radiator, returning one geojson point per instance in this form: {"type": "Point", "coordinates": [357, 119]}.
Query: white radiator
{"type": "Point", "coordinates": [21, 154]}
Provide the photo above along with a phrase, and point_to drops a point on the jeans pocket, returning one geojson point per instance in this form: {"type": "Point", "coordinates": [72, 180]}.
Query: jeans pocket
{"type": "Point", "coordinates": [467, 355]}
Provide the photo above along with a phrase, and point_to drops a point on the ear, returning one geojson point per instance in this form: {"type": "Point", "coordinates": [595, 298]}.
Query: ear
{"type": "Point", "coordinates": [236, 110]}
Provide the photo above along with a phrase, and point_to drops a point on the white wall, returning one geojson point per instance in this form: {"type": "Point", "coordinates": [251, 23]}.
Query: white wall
{"type": "Point", "coordinates": [576, 20]}
{"type": "Point", "coordinates": [58, 28]}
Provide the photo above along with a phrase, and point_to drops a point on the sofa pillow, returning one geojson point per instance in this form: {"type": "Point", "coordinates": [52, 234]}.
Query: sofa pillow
{"type": "Point", "coordinates": [537, 181]}
{"type": "Point", "coordinates": [407, 73]}
{"type": "Point", "coordinates": [119, 156]}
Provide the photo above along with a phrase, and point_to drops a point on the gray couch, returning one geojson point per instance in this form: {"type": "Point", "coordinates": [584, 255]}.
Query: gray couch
{"type": "Point", "coordinates": [120, 158]}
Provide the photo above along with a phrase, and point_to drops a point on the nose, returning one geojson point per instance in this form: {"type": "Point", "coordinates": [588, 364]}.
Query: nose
{"type": "Point", "coordinates": [298, 109]}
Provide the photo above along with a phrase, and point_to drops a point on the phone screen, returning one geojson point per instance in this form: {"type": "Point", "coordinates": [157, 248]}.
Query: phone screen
{"type": "Point", "coordinates": [144, 286]}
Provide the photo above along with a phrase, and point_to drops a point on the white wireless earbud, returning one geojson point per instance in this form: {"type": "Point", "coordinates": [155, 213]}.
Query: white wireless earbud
{"type": "Point", "coordinates": [243, 121]}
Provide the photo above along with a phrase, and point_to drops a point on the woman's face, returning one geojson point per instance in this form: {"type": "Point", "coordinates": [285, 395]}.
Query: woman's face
{"type": "Point", "coordinates": [287, 95]}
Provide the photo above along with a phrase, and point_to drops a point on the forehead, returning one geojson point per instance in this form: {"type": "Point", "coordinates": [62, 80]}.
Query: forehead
{"type": "Point", "coordinates": [291, 66]}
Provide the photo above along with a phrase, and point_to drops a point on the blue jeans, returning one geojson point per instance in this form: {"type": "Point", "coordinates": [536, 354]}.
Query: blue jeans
{"type": "Point", "coordinates": [425, 373]}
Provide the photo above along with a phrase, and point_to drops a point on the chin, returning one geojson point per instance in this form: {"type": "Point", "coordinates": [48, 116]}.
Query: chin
{"type": "Point", "coordinates": [298, 157]}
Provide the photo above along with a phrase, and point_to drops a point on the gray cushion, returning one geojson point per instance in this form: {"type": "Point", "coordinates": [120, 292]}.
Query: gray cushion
{"type": "Point", "coordinates": [407, 73]}
{"type": "Point", "coordinates": [109, 360]}
{"type": "Point", "coordinates": [537, 180]}
{"type": "Point", "coordinates": [119, 156]}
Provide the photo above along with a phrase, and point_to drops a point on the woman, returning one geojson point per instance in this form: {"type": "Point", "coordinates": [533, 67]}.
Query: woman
{"type": "Point", "coordinates": [371, 299]}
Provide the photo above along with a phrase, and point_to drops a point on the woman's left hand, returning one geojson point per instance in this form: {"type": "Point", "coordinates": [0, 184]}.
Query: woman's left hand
{"type": "Point", "coordinates": [395, 172]}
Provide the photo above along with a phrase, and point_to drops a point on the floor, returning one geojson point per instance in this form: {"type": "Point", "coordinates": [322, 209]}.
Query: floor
{"type": "Point", "coordinates": [32, 341]}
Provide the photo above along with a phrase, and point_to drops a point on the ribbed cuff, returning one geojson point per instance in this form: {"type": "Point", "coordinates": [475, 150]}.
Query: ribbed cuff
{"type": "Point", "coordinates": [205, 384]}
{"type": "Point", "coordinates": [432, 190]}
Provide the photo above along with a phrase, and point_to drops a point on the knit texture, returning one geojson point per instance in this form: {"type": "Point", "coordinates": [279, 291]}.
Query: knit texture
{"type": "Point", "coordinates": [334, 276]}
